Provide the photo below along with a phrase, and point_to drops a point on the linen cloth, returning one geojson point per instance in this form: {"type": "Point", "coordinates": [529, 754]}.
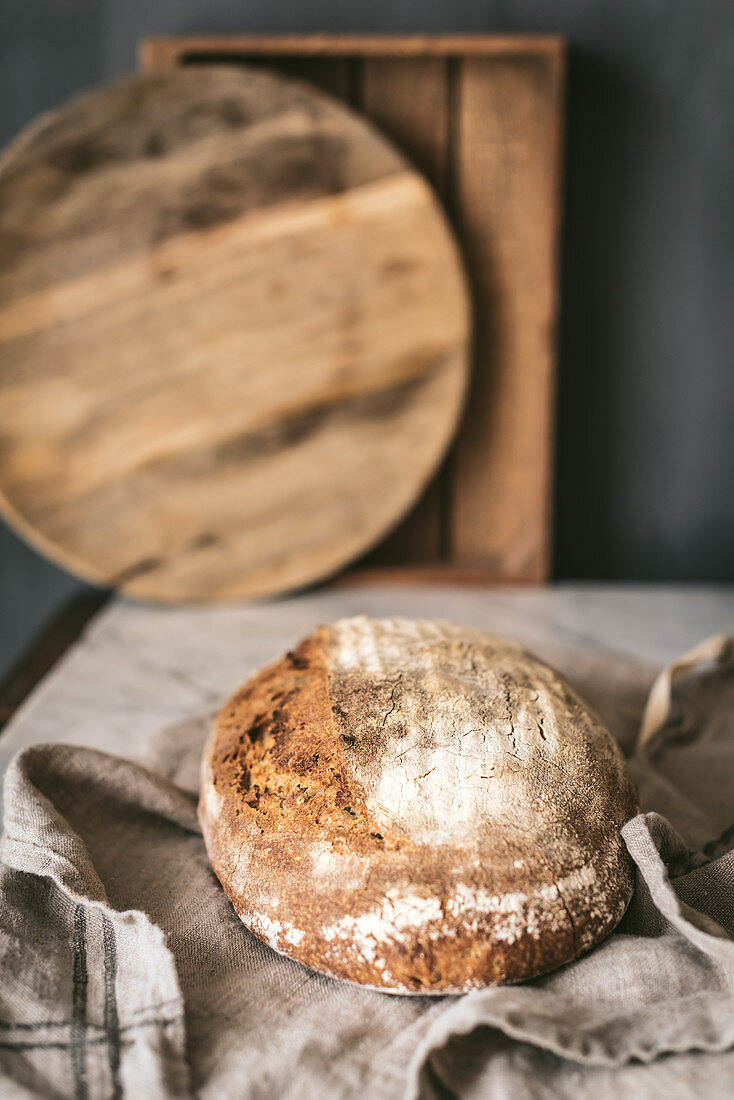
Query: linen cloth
{"type": "Point", "coordinates": [125, 971]}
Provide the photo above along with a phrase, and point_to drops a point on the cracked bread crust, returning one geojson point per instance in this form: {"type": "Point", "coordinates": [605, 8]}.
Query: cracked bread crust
{"type": "Point", "coordinates": [418, 807]}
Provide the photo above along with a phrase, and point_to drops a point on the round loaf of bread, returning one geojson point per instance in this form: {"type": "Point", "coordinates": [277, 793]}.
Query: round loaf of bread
{"type": "Point", "coordinates": [419, 807]}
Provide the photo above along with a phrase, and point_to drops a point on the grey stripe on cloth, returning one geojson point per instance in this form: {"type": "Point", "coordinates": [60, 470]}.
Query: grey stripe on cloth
{"type": "Point", "coordinates": [111, 1018]}
{"type": "Point", "coordinates": [125, 972]}
{"type": "Point", "coordinates": [79, 1003]}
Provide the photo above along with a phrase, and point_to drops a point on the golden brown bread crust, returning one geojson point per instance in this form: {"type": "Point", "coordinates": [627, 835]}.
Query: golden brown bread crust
{"type": "Point", "coordinates": [445, 889]}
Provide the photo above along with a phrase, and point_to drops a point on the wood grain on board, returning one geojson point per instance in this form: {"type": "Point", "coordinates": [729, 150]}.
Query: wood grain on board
{"type": "Point", "coordinates": [407, 99]}
{"type": "Point", "coordinates": [170, 51]}
{"type": "Point", "coordinates": [482, 118]}
{"type": "Point", "coordinates": [507, 138]}
{"type": "Point", "coordinates": [233, 334]}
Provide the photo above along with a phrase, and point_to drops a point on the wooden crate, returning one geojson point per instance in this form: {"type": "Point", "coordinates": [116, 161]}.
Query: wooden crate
{"type": "Point", "coordinates": [482, 118]}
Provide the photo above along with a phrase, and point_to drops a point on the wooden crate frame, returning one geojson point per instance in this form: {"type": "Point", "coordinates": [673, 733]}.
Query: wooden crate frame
{"type": "Point", "coordinates": [481, 116]}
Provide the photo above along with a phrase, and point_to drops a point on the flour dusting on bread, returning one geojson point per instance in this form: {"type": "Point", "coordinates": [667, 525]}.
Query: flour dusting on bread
{"type": "Point", "coordinates": [453, 769]}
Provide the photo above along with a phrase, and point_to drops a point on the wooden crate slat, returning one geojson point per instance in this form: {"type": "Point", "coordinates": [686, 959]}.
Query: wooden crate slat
{"type": "Point", "coordinates": [407, 98]}
{"type": "Point", "coordinates": [506, 199]}
{"type": "Point", "coordinates": [162, 52]}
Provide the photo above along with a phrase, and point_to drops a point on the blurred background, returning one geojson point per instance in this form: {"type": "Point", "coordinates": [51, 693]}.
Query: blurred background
{"type": "Point", "coordinates": [645, 443]}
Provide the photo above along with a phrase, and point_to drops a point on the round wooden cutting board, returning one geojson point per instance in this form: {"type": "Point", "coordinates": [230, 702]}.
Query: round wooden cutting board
{"type": "Point", "coordinates": [233, 334]}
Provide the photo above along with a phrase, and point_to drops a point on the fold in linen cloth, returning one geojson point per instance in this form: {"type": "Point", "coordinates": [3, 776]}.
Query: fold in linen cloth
{"type": "Point", "coordinates": [125, 970]}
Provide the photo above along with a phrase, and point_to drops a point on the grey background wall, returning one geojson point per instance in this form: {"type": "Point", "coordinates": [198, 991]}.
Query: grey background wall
{"type": "Point", "coordinates": [645, 468]}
